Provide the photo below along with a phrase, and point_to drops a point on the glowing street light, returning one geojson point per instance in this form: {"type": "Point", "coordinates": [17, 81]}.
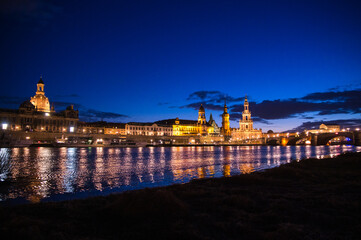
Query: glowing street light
{"type": "Point", "coordinates": [4, 126]}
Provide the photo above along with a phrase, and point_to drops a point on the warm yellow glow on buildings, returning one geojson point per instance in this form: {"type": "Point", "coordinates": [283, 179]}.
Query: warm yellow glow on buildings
{"type": "Point", "coordinates": [189, 127]}
{"type": "Point", "coordinates": [326, 128]}
{"type": "Point", "coordinates": [246, 130]}
{"type": "Point", "coordinates": [226, 129]}
{"type": "Point", "coordinates": [40, 101]}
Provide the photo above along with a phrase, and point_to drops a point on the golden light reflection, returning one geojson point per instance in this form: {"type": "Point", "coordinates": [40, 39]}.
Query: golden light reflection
{"type": "Point", "coordinates": [49, 171]}
{"type": "Point", "coordinates": [227, 170]}
{"type": "Point", "coordinates": [201, 172]}
{"type": "Point", "coordinates": [99, 169]}
{"type": "Point", "coordinates": [247, 168]}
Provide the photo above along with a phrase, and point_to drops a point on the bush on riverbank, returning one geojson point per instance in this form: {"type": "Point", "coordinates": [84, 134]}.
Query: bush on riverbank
{"type": "Point", "coordinates": [310, 199]}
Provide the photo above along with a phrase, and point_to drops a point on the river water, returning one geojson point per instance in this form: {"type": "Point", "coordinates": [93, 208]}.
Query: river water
{"type": "Point", "coordinates": [53, 174]}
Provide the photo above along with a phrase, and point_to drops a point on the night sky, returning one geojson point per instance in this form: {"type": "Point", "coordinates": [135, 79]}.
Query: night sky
{"type": "Point", "coordinates": [299, 62]}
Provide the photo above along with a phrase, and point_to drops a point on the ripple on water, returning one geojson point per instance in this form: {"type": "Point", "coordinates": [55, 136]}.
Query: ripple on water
{"type": "Point", "coordinates": [65, 173]}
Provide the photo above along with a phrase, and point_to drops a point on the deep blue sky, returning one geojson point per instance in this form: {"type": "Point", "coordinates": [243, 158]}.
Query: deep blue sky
{"type": "Point", "coordinates": [151, 60]}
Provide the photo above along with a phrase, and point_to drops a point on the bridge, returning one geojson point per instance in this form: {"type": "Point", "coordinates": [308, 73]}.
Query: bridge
{"type": "Point", "coordinates": [352, 137]}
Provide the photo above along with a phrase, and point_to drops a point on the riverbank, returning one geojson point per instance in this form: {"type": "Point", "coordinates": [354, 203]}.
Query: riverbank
{"type": "Point", "coordinates": [310, 199]}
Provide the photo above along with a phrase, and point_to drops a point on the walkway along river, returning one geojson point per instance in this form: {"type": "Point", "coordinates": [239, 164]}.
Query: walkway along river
{"type": "Point", "coordinates": [53, 174]}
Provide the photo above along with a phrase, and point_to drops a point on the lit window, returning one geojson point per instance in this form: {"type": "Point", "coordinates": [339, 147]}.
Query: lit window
{"type": "Point", "coordinates": [71, 129]}
{"type": "Point", "coordinates": [4, 126]}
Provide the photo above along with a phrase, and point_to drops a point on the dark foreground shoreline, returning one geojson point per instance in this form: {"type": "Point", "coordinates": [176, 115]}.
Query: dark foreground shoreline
{"type": "Point", "coordinates": [310, 199]}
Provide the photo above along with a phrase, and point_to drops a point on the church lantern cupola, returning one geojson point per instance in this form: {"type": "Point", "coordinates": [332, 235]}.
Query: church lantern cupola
{"type": "Point", "coordinates": [40, 101]}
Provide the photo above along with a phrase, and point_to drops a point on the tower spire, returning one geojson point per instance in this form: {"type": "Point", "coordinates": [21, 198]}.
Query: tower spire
{"type": "Point", "coordinates": [226, 130]}
{"type": "Point", "coordinates": [41, 79]}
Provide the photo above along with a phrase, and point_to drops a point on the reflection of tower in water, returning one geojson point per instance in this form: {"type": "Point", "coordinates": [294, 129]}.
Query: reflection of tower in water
{"type": "Point", "coordinates": [201, 172]}
{"type": "Point", "coordinates": [99, 169]}
{"type": "Point", "coordinates": [83, 171]}
{"type": "Point", "coordinates": [227, 161]}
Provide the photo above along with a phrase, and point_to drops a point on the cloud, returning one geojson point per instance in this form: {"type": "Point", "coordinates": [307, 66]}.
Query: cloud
{"type": "Point", "coordinates": [308, 118]}
{"type": "Point", "coordinates": [206, 105]}
{"type": "Point", "coordinates": [346, 95]}
{"type": "Point", "coordinates": [282, 109]}
{"type": "Point", "coordinates": [344, 123]}
{"type": "Point", "coordinates": [95, 115]}
{"type": "Point", "coordinates": [318, 103]}
{"type": "Point", "coordinates": [88, 114]}
{"type": "Point", "coordinates": [12, 101]}
{"type": "Point", "coordinates": [345, 87]}
{"type": "Point", "coordinates": [261, 120]}
{"type": "Point", "coordinates": [212, 96]}
{"type": "Point", "coordinates": [235, 116]}
{"type": "Point", "coordinates": [203, 95]}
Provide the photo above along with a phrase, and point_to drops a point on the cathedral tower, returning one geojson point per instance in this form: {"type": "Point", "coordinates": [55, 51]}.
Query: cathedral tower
{"type": "Point", "coordinates": [40, 101]}
{"type": "Point", "coordinates": [246, 123]}
{"type": "Point", "coordinates": [201, 115]}
{"type": "Point", "coordinates": [226, 130]}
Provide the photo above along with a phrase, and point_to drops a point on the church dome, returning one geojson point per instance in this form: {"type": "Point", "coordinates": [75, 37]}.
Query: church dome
{"type": "Point", "coordinates": [27, 104]}
{"type": "Point", "coordinates": [40, 101]}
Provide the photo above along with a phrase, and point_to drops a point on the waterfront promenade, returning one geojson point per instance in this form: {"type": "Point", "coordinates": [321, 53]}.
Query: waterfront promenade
{"type": "Point", "coordinates": [309, 199]}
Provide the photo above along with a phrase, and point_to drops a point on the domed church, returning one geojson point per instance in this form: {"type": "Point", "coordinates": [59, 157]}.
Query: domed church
{"type": "Point", "coordinates": [36, 115]}
{"type": "Point", "coordinates": [40, 101]}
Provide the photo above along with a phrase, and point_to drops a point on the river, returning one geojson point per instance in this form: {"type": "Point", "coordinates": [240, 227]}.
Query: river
{"type": "Point", "coordinates": [54, 174]}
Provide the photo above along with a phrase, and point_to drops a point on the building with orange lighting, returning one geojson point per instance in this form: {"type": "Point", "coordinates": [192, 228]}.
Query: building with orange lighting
{"type": "Point", "coordinates": [101, 127]}
{"type": "Point", "coordinates": [226, 129]}
{"type": "Point", "coordinates": [325, 129]}
{"type": "Point", "coordinates": [148, 129]}
{"type": "Point", "coordinates": [182, 127]}
{"type": "Point", "coordinates": [35, 115]}
{"type": "Point", "coordinates": [246, 130]}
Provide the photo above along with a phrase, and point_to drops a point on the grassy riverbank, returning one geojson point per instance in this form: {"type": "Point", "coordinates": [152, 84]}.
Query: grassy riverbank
{"type": "Point", "coordinates": [310, 199]}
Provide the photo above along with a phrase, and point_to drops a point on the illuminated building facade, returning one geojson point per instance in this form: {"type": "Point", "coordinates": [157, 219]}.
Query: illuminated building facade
{"type": "Point", "coordinates": [246, 130]}
{"type": "Point", "coordinates": [40, 101]}
{"type": "Point", "coordinates": [148, 129]}
{"type": "Point", "coordinates": [36, 116]}
{"type": "Point", "coordinates": [226, 129]}
{"type": "Point", "coordinates": [216, 129]}
{"type": "Point", "coordinates": [183, 127]}
{"type": "Point", "coordinates": [101, 127]}
{"type": "Point", "coordinates": [325, 128]}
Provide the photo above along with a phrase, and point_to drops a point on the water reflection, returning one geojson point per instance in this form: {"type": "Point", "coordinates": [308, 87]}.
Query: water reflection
{"type": "Point", "coordinates": [50, 172]}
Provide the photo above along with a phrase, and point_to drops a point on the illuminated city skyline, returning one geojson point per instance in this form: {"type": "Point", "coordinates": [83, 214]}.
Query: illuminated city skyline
{"type": "Point", "coordinates": [138, 61]}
